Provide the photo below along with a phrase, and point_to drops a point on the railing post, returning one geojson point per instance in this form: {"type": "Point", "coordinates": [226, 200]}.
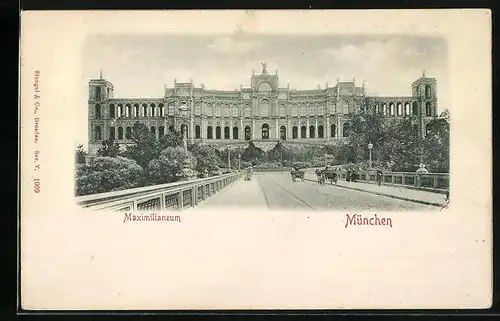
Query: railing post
{"type": "Point", "coordinates": [134, 206]}
{"type": "Point", "coordinates": [194, 198]}
{"type": "Point", "coordinates": [393, 178]}
{"type": "Point", "coordinates": [403, 180]}
{"type": "Point", "coordinates": [181, 200]}
{"type": "Point", "coordinates": [435, 182]}
{"type": "Point", "coordinates": [162, 202]}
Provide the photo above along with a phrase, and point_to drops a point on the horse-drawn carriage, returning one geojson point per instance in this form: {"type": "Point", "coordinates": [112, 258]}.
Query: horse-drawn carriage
{"type": "Point", "coordinates": [327, 174]}
{"type": "Point", "coordinates": [297, 174]}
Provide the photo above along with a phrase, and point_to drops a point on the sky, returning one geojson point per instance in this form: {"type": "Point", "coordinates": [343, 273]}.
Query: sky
{"type": "Point", "coordinates": [141, 65]}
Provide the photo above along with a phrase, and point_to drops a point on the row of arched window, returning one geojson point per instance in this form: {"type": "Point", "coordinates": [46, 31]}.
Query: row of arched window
{"type": "Point", "coordinates": [121, 133]}
{"type": "Point", "coordinates": [399, 109]}
{"type": "Point", "coordinates": [128, 111]}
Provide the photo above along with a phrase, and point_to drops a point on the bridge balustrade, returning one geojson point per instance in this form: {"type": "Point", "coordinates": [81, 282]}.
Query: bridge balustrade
{"type": "Point", "coordinates": [165, 197]}
{"type": "Point", "coordinates": [436, 182]}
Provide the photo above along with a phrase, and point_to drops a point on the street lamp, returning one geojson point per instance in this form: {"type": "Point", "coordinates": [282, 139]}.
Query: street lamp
{"type": "Point", "coordinates": [239, 162]}
{"type": "Point", "coordinates": [370, 146]}
{"type": "Point", "coordinates": [186, 171]}
{"type": "Point", "coordinates": [228, 159]}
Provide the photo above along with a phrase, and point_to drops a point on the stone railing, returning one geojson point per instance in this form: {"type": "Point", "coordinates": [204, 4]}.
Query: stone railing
{"type": "Point", "coordinates": [170, 197]}
{"type": "Point", "coordinates": [434, 182]}
{"type": "Point", "coordinates": [271, 170]}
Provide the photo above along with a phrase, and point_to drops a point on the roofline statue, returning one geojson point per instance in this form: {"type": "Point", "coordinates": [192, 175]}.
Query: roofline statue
{"type": "Point", "coordinates": [264, 66]}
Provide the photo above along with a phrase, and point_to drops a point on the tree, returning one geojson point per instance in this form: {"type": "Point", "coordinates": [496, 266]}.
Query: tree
{"type": "Point", "coordinates": [167, 168]}
{"type": "Point", "coordinates": [253, 154]}
{"type": "Point", "coordinates": [404, 146]}
{"type": "Point", "coordinates": [170, 139]}
{"type": "Point", "coordinates": [80, 154]}
{"type": "Point", "coordinates": [206, 158]}
{"type": "Point", "coordinates": [144, 147]}
{"type": "Point", "coordinates": [436, 145]}
{"type": "Point", "coordinates": [109, 148]}
{"type": "Point", "coordinates": [106, 174]}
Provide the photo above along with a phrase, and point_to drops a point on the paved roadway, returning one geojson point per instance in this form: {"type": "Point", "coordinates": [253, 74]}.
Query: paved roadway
{"type": "Point", "coordinates": [277, 191]}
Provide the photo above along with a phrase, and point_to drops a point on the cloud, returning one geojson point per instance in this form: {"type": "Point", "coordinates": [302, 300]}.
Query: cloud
{"type": "Point", "coordinates": [233, 45]}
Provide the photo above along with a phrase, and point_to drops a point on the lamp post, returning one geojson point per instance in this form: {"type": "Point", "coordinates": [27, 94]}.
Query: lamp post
{"type": "Point", "coordinates": [239, 162]}
{"type": "Point", "coordinates": [228, 159]}
{"type": "Point", "coordinates": [370, 146]}
{"type": "Point", "coordinates": [186, 171]}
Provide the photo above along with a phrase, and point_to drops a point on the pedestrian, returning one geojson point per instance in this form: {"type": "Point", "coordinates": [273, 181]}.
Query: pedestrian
{"type": "Point", "coordinates": [348, 175]}
{"type": "Point", "coordinates": [379, 176]}
{"type": "Point", "coordinates": [422, 169]}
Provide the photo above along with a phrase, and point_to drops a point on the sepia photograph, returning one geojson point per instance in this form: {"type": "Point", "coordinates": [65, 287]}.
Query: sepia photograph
{"type": "Point", "coordinates": [255, 159]}
{"type": "Point", "coordinates": [284, 122]}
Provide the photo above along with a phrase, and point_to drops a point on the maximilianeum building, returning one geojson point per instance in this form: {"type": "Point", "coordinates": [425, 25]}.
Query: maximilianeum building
{"type": "Point", "coordinates": [263, 112]}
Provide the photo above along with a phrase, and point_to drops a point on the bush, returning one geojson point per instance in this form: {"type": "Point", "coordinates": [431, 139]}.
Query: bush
{"type": "Point", "coordinates": [167, 168]}
{"type": "Point", "coordinates": [106, 174]}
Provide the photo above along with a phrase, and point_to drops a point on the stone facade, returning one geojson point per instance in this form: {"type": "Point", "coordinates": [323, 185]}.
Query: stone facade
{"type": "Point", "coordinates": [263, 112]}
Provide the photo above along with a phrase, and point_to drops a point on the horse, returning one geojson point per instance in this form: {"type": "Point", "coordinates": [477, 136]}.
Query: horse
{"type": "Point", "coordinates": [321, 177]}
{"type": "Point", "coordinates": [331, 175]}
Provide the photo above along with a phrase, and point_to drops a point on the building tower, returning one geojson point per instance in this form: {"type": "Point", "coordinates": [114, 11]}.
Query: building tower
{"type": "Point", "coordinates": [424, 90]}
{"type": "Point", "coordinates": [99, 113]}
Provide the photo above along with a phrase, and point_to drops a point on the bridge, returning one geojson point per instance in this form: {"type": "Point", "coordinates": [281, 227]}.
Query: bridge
{"type": "Point", "coordinates": [275, 190]}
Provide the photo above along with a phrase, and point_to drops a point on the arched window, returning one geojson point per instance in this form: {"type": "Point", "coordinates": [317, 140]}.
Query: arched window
{"type": "Point", "coordinates": [264, 108]}
{"type": "Point", "coordinates": [236, 112]}
{"type": "Point", "coordinates": [414, 108]}
{"type": "Point", "coordinates": [227, 111]}
{"type": "Point", "coordinates": [428, 109]}
{"type": "Point", "coordinates": [282, 110]}
{"type": "Point", "coordinates": [303, 110]}
{"type": "Point", "coordinates": [112, 133]}
{"type": "Point", "coordinates": [217, 132]}
{"type": "Point", "coordinates": [97, 111]}
{"type": "Point", "coordinates": [128, 133]}
{"type": "Point", "coordinates": [210, 132]}
{"type": "Point", "coordinates": [112, 111]}
{"type": "Point", "coordinates": [333, 130]}
{"type": "Point", "coordinates": [217, 110]}
{"type": "Point", "coordinates": [197, 131]}
{"type": "Point", "coordinates": [384, 109]}
{"type": "Point", "coordinates": [135, 110]}
{"type": "Point", "coordinates": [171, 129]}
{"type": "Point", "coordinates": [128, 112]}
{"type": "Point", "coordinates": [407, 108]}
{"type": "Point", "coordinates": [162, 110]}
{"type": "Point", "coordinates": [120, 133]}
{"type": "Point", "coordinates": [293, 110]}
{"type": "Point", "coordinates": [265, 131]}
{"type": "Point", "coordinates": [264, 87]}
{"type": "Point", "coordinates": [333, 108]}
{"type": "Point", "coordinates": [303, 131]}
{"type": "Point", "coordinates": [320, 132]}
{"type": "Point", "coordinates": [227, 130]}
{"type": "Point", "coordinates": [197, 109]}
{"type": "Point", "coordinates": [377, 109]}
{"type": "Point", "coordinates": [97, 133]}
{"type": "Point", "coordinates": [154, 112]}
{"type": "Point", "coordinates": [171, 109]}
{"type": "Point", "coordinates": [161, 131]}
{"type": "Point", "coordinates": [391, 109]}
{"type": "Point", "coordinates": [235, 132]}
{"type": "Point", "coordinates": [283, 133]}
{"type": "Point", "coordinates": [184, 129]}
{"type": "Point", "coordinates": [248, 133]}
{"type": "Point", "coordinates": [247, 111]}
{"type": "Point", "coordinates": [144, 110]}
{"type": "Point", "coordinates": [312, 110]}
{"type": "Point", "coordinates": [345, 108]}
{"type": "Point", "coordinates": [428, 93]}
{"type": "Point", "coordinates": [346, 128]}
{"type": "Point", "coordinates": [312, 132]}
{"type": "Point", "coordinates": [210, 111]}
{"type": "Point", "coordinates": [400, 109]}
{"type": "Point", "coordinates": [321, 110]}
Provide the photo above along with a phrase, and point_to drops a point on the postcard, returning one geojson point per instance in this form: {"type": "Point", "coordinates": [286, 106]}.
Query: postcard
{"type": "Point", "coordinates": [300, 159]}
